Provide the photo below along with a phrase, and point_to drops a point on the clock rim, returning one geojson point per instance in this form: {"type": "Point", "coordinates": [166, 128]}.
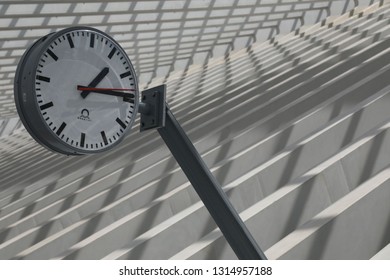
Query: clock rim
{"type": "Point", "coordinates": [25, 82]}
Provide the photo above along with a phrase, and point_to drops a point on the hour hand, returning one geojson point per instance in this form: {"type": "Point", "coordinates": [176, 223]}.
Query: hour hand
{"type": "Point", "coordinates": [95, 81]}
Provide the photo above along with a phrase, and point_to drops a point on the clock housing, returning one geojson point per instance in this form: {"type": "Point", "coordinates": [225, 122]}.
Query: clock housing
{"type": "Point", "coordinates": [51, 96]}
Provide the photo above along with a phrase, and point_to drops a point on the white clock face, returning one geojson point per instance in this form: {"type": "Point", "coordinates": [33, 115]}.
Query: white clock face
{"type": "Point", "coordinates": [86, 90]}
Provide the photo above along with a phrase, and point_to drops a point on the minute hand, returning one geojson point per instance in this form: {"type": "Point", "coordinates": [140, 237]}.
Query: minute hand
{"type": "Point", "coordinates": [126, 95]}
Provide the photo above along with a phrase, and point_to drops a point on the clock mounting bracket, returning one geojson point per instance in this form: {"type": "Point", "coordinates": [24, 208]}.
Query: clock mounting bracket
{"type": "Point", "coordinates": [152, 108]}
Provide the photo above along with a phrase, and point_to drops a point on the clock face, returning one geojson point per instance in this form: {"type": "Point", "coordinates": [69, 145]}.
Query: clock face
{"type": "Point", "coordinates": [84, 90]}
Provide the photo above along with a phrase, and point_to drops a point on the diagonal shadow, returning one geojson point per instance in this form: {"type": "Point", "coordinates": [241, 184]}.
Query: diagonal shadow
{"type": "Point", "coordinates": [385, 236]}
{"type": "Point", "coordinates": [372, 157]}
{"type": "Point", "coordinates": [352, 128]}
{"type": "Point", "coordinates": [320, 241]}
{"type": "Point", "coordinates": [288, 171]}
{"type": "Point", "coordinates": [160, 189]}
{"type": "Point", "coordinates": [298, 207]}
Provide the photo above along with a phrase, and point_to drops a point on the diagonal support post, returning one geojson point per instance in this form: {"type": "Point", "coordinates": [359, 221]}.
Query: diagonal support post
{"type": "Point", "coordinates": [155, 114]}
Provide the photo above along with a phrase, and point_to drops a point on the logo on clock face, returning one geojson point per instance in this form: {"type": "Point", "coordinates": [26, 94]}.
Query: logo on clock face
{"type": "Point", "coordinates": [84, 116]}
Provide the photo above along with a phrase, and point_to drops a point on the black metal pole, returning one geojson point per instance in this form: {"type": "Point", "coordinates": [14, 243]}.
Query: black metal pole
{"type": "Point", "coordinates": [209, 190]}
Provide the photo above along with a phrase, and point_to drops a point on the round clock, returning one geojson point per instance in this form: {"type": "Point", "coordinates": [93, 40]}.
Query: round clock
{"type": "Point", "coordinates": [76, 91]}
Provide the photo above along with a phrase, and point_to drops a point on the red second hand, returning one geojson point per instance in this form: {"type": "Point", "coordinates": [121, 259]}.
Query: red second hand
{"type": "Point", "coordinates": [97, 89]}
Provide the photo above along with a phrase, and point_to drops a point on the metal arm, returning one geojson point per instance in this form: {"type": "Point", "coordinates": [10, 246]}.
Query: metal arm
{"type": "Point", "coordinates": [205, 184]}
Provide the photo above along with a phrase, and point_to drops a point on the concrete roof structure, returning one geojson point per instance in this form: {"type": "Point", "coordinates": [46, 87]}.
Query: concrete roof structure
{"type": "Point", "coordinates": [160, 37]}
{"type": "Point", "coordinates": [287, 102]}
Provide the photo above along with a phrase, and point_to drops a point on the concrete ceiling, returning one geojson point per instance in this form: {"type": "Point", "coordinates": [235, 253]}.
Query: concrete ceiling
{"type": "Point", "coordinates": [160, 37]}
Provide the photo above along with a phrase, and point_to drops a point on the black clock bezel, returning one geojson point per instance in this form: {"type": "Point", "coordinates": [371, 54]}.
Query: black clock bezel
{"type": "Point", "coordinates": [27, 104]}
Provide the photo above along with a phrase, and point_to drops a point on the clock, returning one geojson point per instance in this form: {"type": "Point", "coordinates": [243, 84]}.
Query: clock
{"type": "Point", "coordinates": [76, 91]}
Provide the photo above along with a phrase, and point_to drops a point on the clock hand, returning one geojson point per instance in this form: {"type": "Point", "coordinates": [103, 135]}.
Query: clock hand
{"type": "Point", "coordinates": [94, 89]}
{"type": "Point", "coordinates": [96, 81]}
{"type": "Point", "coordinates": [109, 91]}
